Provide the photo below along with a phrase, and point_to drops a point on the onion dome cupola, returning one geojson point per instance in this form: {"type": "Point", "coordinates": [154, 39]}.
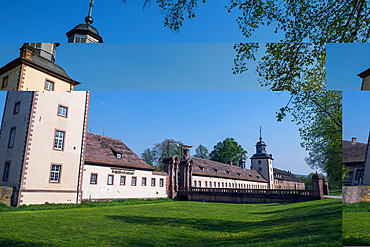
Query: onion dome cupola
{"type": "Point", "coordinates": [85, 33]}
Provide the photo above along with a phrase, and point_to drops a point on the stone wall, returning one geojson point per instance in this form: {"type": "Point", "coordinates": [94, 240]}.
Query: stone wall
{"type": "Point", "coordinates": [288, 185]}
{"type": "Point", "coordinates": [354, 194]}
{"type": "Point", "coordinates": [6, 194]}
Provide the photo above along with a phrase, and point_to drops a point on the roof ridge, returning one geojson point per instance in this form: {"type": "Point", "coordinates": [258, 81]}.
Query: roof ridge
{"type": "Point", "coordinates": [106, 137]}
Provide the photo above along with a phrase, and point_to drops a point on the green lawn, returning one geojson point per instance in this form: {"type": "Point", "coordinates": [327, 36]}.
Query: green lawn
{"type": "Point", "coordinates": [315, 223]}
{"type": "Point", "coordinates": [356, 224]}
{"type": "Point", "coordinates": [335, 191]}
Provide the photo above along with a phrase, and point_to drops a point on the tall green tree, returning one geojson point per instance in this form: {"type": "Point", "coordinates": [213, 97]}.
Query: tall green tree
{"type": "Point", "coordinates": [201, 152]}
{"type": "Point", "coordinates": [305, 28]}
{"type": "Point", "coordinates": [165, 149]}
{"type": "Point", "coordinates": [316, 21]}
{"type": "Point", "coordinates": [149, 157]}
{"type": "Point", "coordinates": [228, 150]}
{"type": "Point", "coordinates": [319, 117]}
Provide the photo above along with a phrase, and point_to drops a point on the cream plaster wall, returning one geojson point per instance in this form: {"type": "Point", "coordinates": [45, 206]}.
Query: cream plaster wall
{"type": "Point", "coordinates": [49, 197]}
{"type": "Point", "coordinates": [20, 121]}
{"type": "Point", "coordinates": [265, 169]}
{"type": "Point", "coordinates": [42, 153]}
{"type": "Point", "coordinates": [234, 183]}
{"type": "Point", "coordinates": [13, 79]}
{"type": "Point", "coordinates": [35, 81]}
{"type": "Point", "coordinates": [102, 190]}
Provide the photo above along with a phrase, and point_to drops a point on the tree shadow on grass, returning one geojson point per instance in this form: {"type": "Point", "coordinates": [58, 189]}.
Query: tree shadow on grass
{"type": "Point", "coordinates": [13, 242]}
{"type": "Point", "coordinates": [353, 241]}
{"type": "Point", "coordinates": [301, 226]}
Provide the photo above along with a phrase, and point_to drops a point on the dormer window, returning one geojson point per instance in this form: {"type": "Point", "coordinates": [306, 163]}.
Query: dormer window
{"type": "Point", "coordinates": [216, 171]}
{"type": "Point", "coordinates": [119, 156]}
{"type": "Point", "coordinates": [201, 168]}
{"type": "Point", "coordinates": [238, 174]}
{"type": "Point", "coordinates": [250, 175]}
{"type": "Point", "coordinates": [227, 172]}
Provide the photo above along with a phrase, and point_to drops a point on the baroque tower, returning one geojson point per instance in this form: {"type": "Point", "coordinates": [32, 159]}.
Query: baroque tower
{"type": "Point", "coordinates": [35, 70]}
{"type": "Point", "coordinates": [263, 162]}
{"type": "Point", "coordinates": [42, 136]}
{"type": "Point", "coordinates": [85, 33]}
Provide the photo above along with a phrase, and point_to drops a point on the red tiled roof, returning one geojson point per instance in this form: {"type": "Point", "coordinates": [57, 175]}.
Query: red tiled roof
{"type": "Point", "coordinates": [103, 150]}
{"type": "Point", "coordinates": [210, 168]}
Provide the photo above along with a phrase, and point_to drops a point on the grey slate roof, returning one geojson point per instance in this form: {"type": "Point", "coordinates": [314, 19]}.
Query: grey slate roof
{"type": "Point", "coordinates": [86, 29]}
{"type": "Point", "coordinates": [102, 150]}
{"type": "Point", "coordinates": [210, 168]}
{"type": "Point", "coordinates": [353, 152]}
{"type": "Point", "coordinates": [286, 176]}
{"type": "Point", "coordinates": [49, 65]}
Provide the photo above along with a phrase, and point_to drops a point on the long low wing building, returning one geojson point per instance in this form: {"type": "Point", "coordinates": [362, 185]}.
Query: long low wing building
{"type": "Point", "coordinates": [113, 171]}
{"type": "Point", "coordinates": [191, 172]}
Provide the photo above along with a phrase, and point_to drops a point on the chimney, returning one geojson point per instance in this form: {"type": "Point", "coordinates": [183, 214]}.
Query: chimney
{"type": "Point", "coordinates": [230, 162]}
{"type": "Point", "coordinates": [354, 139]}
{"type": "Point", "coordinates": [26, 51]}
{"type": "Point", "coordinates": [186, 153]}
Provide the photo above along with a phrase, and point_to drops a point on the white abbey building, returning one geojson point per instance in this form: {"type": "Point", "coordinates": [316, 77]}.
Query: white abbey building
{"type": "Point", "coordinates": [46, 154]}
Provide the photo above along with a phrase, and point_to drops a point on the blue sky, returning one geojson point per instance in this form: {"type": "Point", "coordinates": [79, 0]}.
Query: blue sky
{"type": "Point", "coordinates": [48, 21]}
{"type": "Point", "coordinates": [356, 115]}
{"type": "Point", "coordinates": [141, 119]}
{"type": "Point", "coordinates": [149, 66]}
{"type": "Point", "coordinates": [344, 62]}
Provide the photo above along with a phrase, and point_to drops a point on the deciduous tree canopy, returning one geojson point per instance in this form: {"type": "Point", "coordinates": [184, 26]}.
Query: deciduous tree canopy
{"type": "Point", "coordinates": [228, 150]}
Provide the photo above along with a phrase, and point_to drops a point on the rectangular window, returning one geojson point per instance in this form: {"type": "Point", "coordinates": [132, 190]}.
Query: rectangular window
{"type": "Point", "coordinates": [62, 111]}
{"type": "Point", "coordinates": [49, 85]}
{"type": "Point", "coordinates": [205, 183]}
{"type": "Point", "coordinates": [218, 184]}
{"type": "Point", "coordinates": [94, 178]}
{"type": "Point", "coordinates": [123, 180]}
{"type": "Point", "coordinates": [210, 184]}
{"type": "Point", "coordinates": [110, 179]}
{"type": "Point", "coordinates": [6, 171]}
{"type": "Point", "coordinates": [195, 183]}
{"type": "Point", "coordinates": [133, 181]}
{"type": "Point", "coordinates": [214, 183]}
{"type": "Point", "coordinates": [11, 138]}
{"type": "Point", "coordinates": [16, 107]}
{"type": "Point", "coordinates": [153, 182]}
{"type": "Point", "coordinates": [161, 182]}
{"type": "Point", "coordinates": [55, 173]}
{"type": "Point", "coordinates": [200, 183]}
{"type": "Point", "coordinates": [143, 182]}
{"type": "Point", "coordinates": [59, 140]}
{"type": "Point", "coordinates": [5, 82]}
{"type": "Point", "coordinates": [358, 174]}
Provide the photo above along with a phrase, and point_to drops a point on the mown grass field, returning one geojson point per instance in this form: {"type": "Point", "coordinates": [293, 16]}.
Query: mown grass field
{"type": "Point", "coordinates": [356, 224]}
{"type": "Point", "coordinates": [315, 223]}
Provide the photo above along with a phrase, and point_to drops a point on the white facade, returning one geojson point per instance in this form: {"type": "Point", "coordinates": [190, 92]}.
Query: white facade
{"type": "Point", "coordinates": [217, 182]}
{"type": "Point", "coordinates": [264, 166]}
{"type": "Point", "coordinates": [39, 170]}
{"type": "Point", "coordinates": [103, 187]}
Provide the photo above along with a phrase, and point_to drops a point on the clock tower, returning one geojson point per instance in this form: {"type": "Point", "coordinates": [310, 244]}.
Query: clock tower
{"type": "Point", "coordinates": [262, 162]}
